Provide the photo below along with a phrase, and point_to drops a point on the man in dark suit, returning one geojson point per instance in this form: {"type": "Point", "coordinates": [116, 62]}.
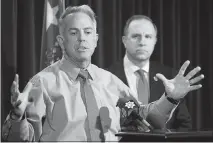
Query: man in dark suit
{"type": "Point", "coordinates": [140, 37]}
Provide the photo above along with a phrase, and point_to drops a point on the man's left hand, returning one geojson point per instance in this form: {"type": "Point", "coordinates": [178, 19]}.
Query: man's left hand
{"type": "Point", "coordinates": [179, 86]}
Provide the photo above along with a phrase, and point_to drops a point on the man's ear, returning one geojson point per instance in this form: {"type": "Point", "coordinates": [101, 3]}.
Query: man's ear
{"type": "Point", "coordinates": [96, 40]}
{"type": "Point", "coordinates": [60, 40]}
{"type": "Point", "coordinates": [124, 40]}
{"type": "Point", "coordinates": [156, 39]}
{"type": "Point", "coordinates": [96, 37]}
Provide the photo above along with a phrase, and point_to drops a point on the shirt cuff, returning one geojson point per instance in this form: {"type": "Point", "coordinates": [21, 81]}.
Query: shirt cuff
{"type": "Point", "coordinates": [164, 106]}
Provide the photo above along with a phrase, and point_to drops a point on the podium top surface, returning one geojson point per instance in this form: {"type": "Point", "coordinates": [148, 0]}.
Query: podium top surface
{"type": "Point", "coordinates": [172, 134]}
{"type": "Point", "coordinates": [189, 134]}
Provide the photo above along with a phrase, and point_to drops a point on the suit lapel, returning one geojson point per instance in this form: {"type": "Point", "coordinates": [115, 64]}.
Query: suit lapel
{"type": "Point", "coordinates": [118, 70]}
{"type": "Point", "coordinates": [156, 87]}
{"type": "Point", "coordinates": [122, 73]}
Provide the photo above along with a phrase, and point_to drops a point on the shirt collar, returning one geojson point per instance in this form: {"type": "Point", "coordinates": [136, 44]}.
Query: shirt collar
{"type": "Point", "coordinates": [72, 70]}
{"type": "Point", "coordinates": [131, 67]}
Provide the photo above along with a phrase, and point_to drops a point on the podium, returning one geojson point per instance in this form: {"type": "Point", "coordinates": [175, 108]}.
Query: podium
{"type": "Point", "coordinates": [155, 136]}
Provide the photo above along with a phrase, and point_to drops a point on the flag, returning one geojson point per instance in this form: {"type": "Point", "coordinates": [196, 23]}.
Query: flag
{"type": "Point", "coordinates": [50, 50]}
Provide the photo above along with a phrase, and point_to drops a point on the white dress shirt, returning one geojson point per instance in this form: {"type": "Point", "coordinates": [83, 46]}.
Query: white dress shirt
{"type": "Point", "coordinates": [132, 76]}
{"type": "Point", "coordinates": [56, 95]}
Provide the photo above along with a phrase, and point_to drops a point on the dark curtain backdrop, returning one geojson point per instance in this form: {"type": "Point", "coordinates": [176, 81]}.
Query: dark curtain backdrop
{"type": "Point", "coordinates": [185, 33]}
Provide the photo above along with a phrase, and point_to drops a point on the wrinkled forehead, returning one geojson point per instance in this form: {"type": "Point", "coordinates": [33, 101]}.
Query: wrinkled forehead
{"type": "Point", "coordinates": [78, 20]}
{"type": "Point", "coordinates": [141, 26]}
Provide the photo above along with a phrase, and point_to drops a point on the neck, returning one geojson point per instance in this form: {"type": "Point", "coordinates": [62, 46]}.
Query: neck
{"type": "Point", "coordinates": [138, 63]}
{"type": "Point", "coordinates": [81, 64]}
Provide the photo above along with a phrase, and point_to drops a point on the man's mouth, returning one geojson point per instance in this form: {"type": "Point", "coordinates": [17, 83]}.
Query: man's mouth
{"type": "Point", "coordinates": [141, 51]}
{"type": "Point", "coordinates": [82, 48]}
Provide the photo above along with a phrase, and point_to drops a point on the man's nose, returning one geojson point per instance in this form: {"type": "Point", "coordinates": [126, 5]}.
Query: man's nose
{"type": "Point", "coordinates": [141, 40]}
{"type": "Point", "coordinates": [81, 36]}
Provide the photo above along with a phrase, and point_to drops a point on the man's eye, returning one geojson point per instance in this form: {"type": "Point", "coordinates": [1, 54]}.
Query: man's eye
{"type": "Point", "coordinates": [73, 33]}
{"type": "Point", "coordinates": [135, 36]}
{"type": "Point", "coordinates": [88, 32]}
{"type": "Point", "coordinates": [148, 36]}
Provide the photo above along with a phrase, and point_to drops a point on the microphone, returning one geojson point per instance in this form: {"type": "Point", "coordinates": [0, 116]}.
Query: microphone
{"type": "Point", "coordinates": [131, 109]}
{"type": "Point", "coordinates": [105, 119]}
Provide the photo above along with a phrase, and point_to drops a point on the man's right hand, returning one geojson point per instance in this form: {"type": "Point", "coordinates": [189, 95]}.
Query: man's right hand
{"type": "Point", "coordinates": [19, 100]}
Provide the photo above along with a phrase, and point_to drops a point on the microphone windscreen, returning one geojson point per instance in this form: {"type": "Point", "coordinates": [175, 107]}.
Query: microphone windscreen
{"type": "Point", "coordinates": [105, 118]}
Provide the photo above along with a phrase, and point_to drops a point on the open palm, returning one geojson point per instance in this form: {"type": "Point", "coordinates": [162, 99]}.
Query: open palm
{"type": "Point", "coordinates": [20, 100]}
{"type": "Point", "coordinates": [179, 86]}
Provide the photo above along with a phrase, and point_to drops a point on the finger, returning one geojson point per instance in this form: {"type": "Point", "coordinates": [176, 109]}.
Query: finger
{"type": "Point", "coordinates": [14, 89]}
{"type": "Point", "coordinates": [14, 97]}
{"type": "Point", "coordinates": [28, 88]}
{"type": "Point", "coordinates": [155, 78]}
{"type": "Point", "coordinates": [196, 79]}
{"type": "Point", "coordinates": [16, 78]}
{"type": "Point", "coordinates": [13, 101]}
{"type": "Point", "coordinates": [161, 77]}
{"type": "Point", "coordinates": [195, 87]}
{"type": "Point", "coordinates": [15, 84]}
{"type": "Point", "coordinates": [25, 95]}
{"type": "Point", "coordinates": [193, 72]}
{"type": "Point", "coordinates": [17, 103]}
{"type": "Point", "coordinates": [183, 67]}
{"type": "Point", "coordinates": [17, 81]}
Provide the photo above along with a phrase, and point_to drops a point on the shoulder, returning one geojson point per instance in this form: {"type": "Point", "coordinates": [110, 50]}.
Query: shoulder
{"type": "Point", "coordinates": [49, 72]}
{"type": "Point", "coordinates": [116, 68]}
{"type": "Point", "coordinates": [108, 77]}
{"type": "Point", "coordinates": [100, 72]}
{"type": "Point", "coordinates": [158, 67]}
{"type": "Point", "coordinates": [105, 75]}
{"type": "Point", "coordinates": [116, 65]}
{"type": "Point", "coordinates": [111, 81]}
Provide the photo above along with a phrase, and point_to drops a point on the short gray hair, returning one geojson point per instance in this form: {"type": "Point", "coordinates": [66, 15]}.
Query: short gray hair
{"type": "Point", "coordinates": [75, 9]}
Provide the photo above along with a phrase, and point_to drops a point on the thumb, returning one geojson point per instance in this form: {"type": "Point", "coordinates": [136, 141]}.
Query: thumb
{"type": "Point", "coordinates": [28, 87]}
{"type": "Point", "coordinates": [161, 77]}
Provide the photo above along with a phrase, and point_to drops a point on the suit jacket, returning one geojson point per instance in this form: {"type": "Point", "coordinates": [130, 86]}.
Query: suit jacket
{"type": "Point", "coordinates": [181, 119]}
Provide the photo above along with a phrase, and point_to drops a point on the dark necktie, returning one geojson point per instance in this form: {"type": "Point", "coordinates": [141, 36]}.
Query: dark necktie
{"type": "Point", "coordinates": [92, 123]}
{"type": "Point", "coordinates": [143, 88]}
